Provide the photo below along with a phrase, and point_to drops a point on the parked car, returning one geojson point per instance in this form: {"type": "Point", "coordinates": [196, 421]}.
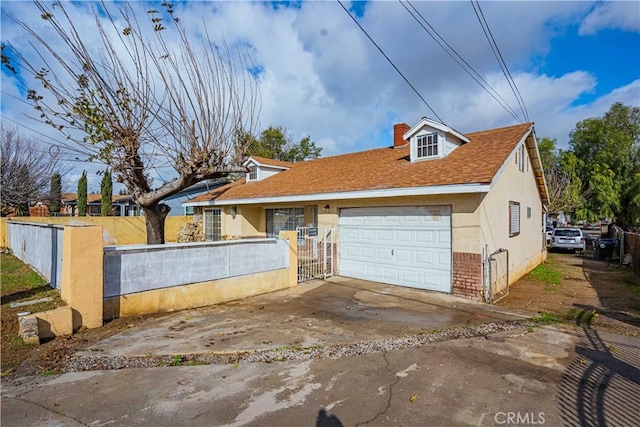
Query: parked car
{"type": "Point", "coordinates": [549, 231]}
{"type": "Point", "coordinates": [568, 238]}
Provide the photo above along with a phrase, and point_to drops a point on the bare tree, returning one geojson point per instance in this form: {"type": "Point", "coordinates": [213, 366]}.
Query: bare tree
{"type": "Point", "coordinates": [25, 170]}
{"type": "Point", "coordinates": [144, 101]}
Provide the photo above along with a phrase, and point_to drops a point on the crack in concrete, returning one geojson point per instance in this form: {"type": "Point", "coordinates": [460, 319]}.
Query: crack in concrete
{"type": "Point", "coordinates": [390, 387]}
{"type": "Point", "coordinates": [51, 410]}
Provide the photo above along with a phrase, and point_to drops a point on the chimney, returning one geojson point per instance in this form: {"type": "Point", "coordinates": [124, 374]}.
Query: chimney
{"type": "Point", "coordinates": [399, 130]}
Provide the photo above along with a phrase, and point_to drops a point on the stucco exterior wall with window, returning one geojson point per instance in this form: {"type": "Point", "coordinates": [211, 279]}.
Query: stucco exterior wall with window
{"type": "Point", "coordinates": [517, 183]}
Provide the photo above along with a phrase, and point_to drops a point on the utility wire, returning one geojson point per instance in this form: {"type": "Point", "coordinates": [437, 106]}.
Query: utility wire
{"type": "Point", "coordinates": [460, 60]}
{"type": "Point", "coordinates": [499, 58]}
{"type": "Point", "coordinates": [390, 62]}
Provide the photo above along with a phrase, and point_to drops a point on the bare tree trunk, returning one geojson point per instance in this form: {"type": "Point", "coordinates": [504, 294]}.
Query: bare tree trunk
{"type": "Point", "coordinates": [155, 215]}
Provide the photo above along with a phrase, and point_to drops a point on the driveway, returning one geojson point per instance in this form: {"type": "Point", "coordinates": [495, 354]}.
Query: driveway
{"type": "Point", "coordinates": [312, 314]}
{"type": "Point", "coordinates": [382, 367]}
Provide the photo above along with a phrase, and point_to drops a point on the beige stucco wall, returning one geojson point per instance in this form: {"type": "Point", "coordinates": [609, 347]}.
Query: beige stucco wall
{"type": "Point", "coordinates": [3, 232]}
{"type": "Point", "coordinates": [82, 273]}
{"type": "Point", "coordinates": [196, 295]}
{"type": "Point", "coordinates": [528, 249]}
{"type": "Point", "coordinates": [116, 230]}
{"type": "Point", "coordinates": [465, 215]}
{"type": "Point", "coordinates": [54, 323]}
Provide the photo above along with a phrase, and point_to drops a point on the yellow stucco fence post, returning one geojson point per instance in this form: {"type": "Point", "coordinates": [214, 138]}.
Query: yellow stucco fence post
{"type": "Point", "coordinates": [82, 274]}
{"type": "Point", "coordinates": [3, 233]}
{"type": "Point", "coordinates": [292, 239]}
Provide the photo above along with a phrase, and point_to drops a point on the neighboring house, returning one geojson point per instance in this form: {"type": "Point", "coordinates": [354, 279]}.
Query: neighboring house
{"type": "Point", "coordinates": [122, 205]}
{"type": "Point", "coordinates": [175, 201]}
{"type": "Point", "coordinates": [427, 212]}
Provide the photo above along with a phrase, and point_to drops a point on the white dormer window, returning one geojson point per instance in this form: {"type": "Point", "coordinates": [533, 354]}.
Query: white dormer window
{"type": "Point", "coordinates": [427, 146]}
{"type": "Point", "coordinates": [253, 173]}
{"type": "Point", "coordinates": [259, 168]}
{"type": "Point", "coordinates": [432, 140]}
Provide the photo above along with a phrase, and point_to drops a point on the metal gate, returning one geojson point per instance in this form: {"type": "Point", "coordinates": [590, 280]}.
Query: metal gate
{"type": "Point", "coordinates": [498, 263]}
{"type": "Point", "coordinates": [316, 253]}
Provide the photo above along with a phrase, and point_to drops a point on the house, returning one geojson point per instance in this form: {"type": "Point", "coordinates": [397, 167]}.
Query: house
{"type": "Point", "coordinates": [175, 201]}
{"type": "Point", "coordinates": [438, 210]}
{"type": "Point", "coordinates": [122, 204]}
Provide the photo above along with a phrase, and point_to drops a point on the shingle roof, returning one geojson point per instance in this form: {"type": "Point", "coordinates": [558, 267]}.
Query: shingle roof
{"type": "Point", "coordinates": [476, 162]}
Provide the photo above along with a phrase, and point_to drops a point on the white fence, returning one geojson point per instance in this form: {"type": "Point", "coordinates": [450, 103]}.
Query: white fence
{"type": "Point", "coordinates": [139, 268]}
{"type": "Point", "coordinates": [40, 246]}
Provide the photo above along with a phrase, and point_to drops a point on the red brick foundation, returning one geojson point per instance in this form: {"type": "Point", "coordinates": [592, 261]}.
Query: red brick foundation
{"type": "Point", "coordinates": [467, 275]}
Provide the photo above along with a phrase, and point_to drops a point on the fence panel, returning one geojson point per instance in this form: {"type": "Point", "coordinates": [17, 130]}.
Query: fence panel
{"type": "Point", "coordinates": [632, 248]}
{"type": "Point", "coordinates": [131, 269]}
{"type": "Point", "coordinates": [40, 246]}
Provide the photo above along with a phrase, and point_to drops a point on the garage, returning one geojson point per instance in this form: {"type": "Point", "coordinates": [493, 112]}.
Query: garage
{"type": "Point", "coordinates": [400, 245]}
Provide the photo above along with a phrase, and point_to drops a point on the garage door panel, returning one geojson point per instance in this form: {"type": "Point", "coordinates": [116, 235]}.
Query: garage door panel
{"type": "Point", "coordinates": [409, 246]}
{"type": "Point", "coordinates": [404, 256]}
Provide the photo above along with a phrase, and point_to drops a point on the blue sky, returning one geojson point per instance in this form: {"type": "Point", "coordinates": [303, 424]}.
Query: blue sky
{"type": "Point", "coordinates": [320, 76]}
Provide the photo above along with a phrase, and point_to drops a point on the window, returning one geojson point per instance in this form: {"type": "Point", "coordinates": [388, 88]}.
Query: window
{"type": "Point", "coordinates": [253, 173]}
{"type": "Point", "coordinates": [283, 219]}
{"type": "Point", "coordinates": [427, 146]}
{"type": "Point", "coordinates": [212, 225]}
{"type": "Point", "coordinates": [521, 157]}
{"type": "Point", "coordinates": [528, 212]}
{"type": "Point", "coordinates": [514, 219]}
{"type": "Point", "coordinates": [188, 211]}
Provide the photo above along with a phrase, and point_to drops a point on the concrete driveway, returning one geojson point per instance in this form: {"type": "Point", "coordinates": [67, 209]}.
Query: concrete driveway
{"type": "Point", "coordinates": [379, 370]}
{"type": "Point", "coordinates": [318, 313]}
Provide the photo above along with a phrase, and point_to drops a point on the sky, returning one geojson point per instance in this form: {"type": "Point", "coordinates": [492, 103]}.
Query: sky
{"type": "Point", "coordinates": [319, 75]}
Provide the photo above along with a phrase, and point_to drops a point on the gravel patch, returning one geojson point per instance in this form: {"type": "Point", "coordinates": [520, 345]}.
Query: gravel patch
{"type": "Point", "coordinates": [83, 362]}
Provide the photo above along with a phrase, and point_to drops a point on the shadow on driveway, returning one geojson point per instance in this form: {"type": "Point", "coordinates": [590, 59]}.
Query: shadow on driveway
{"type": "Point", "coordinates": [601, 385]}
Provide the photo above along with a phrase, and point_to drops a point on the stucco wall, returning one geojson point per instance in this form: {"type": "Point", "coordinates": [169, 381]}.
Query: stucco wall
{"type": "Point", "coordinates": [465, 215]}
{"type": "Point", "coordinates": [527, 249]}
{"type": "Point", "coordinates": [132, 269]}
{"type": "Point", "coordinates": [213, 291]}
{"type": "Point", "coordinates": [195, 295]}
{"type": "Point", "coordinates": [117, 230]}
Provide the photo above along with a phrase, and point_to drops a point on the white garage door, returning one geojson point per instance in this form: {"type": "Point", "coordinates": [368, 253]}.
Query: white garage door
{"type": "Point", "coordinates": [407, 246]}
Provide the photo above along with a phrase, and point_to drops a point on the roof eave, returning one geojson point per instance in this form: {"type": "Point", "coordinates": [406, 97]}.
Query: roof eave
{"type": "Point", "coordinates": [346, 195]}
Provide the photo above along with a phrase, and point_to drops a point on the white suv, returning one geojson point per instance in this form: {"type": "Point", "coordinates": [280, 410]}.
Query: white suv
{"type": "Point", "coordinates": [568, 238]}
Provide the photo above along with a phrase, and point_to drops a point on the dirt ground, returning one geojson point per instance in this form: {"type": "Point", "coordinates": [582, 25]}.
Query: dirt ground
{"type": "Point", "coordinates": [19, 360]}
{"type": "Point", "coordinates": [598, 292]}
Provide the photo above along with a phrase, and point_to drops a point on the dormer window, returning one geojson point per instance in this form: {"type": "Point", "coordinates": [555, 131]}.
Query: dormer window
{"type": "Point", "coordinates": [427, 146]}
{"type": "Point", "coordinates": [259, 168]}
{"type": "Point", "coordinates": [253, 173]}
{"type": "Point", "coordinates": [431, 140]}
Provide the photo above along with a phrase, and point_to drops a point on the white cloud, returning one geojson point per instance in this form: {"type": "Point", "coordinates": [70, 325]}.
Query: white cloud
{"type": "Point", "coordinates": [623, 15]}
{"type": "Point", "coordinates": [322, 77]}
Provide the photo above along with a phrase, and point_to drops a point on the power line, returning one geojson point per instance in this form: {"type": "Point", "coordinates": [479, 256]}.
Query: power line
{"type": "Point", "coordinates": [499, 58]}
{"type": "Point", "coordinates": [389, 60]}
{"type": "Point", "coordinates": [460, 60]}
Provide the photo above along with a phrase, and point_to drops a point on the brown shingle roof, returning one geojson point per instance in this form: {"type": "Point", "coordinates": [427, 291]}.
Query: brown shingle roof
{"type": "Point", "coordinates": [476, 162]}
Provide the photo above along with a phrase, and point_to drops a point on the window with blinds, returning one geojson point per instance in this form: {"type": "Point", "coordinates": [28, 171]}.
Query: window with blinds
{"type": "Point", "coordinates": [514, 219]}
